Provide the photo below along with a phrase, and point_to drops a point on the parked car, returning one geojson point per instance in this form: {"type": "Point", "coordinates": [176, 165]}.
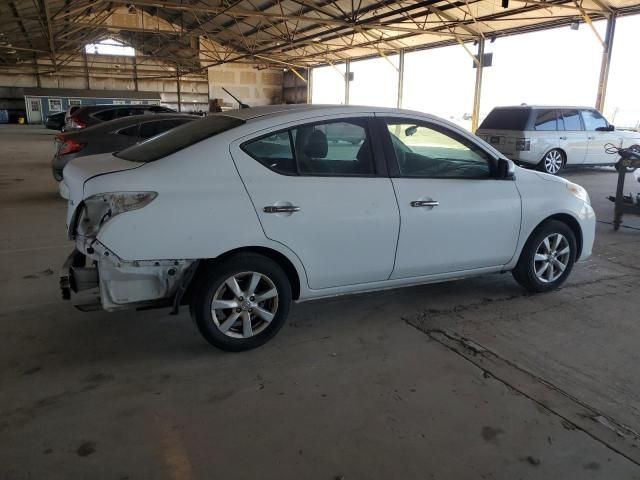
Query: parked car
{"type": "Point", "coordinates": [553, 137]}
{"type": "Point", "coordinates": [90, 115]}
{"type": "Point", "coordinates": [55, 121]}
{"type": "Point", "coordinates": [239, 213]}
{"type": "Point", "coordinates": [112, 136]}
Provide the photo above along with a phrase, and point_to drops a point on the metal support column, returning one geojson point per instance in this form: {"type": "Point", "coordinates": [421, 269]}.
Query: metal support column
{"type": "Point", "coordinates": [478, 88]}
{"type": "Point", "coordinates": [347, 74]}
{"type": "Point", "coordinates": [606, 62]}
{"type": "Point", "coordinates": [178, 89]}
{"type": "Point", "coordinates": [309, 84]}
{"type": "Point", "coordinates": [86, 70]}
{"type": "Point", "coordinates": [400, 78]}
{"type": "Point", "coordinates": [135, 73]}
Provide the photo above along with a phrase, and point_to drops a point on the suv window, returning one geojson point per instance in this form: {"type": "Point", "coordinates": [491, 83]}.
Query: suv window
{"type": "Point", "coordinates": [179, 138]}
{"type": "Point", "coordinates": [106, 115]}
{"type": "Point", "coordinates": [328, 148]}
{"type": "Point", "coordinates": [431, 151]}
{"type": "Point", "coordinates": [572, 120]}
{"type": "Point", "coordinates": [545, 120]}
{"type": "Point", "coordinates": [507, 119]}
{"type": "Point", "coordinates": [594, 121]}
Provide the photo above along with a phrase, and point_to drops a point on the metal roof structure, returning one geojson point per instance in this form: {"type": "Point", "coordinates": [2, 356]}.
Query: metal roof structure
{"type": "Point", "coordinates": [194, 34]}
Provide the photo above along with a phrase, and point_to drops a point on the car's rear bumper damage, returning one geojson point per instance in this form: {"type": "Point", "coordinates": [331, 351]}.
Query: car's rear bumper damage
{"type": "Point", "coordinates": [124, 284]}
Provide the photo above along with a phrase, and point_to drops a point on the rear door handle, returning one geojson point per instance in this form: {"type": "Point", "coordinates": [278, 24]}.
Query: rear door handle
{"type": "Point", "coordinates": [281, 209]}
{"type": "Point", "coordinates": [591, 138]}
{"type": "Point", "coordinates": [563, 138]}
{"type": "Point", "coordinates": [424, 203]}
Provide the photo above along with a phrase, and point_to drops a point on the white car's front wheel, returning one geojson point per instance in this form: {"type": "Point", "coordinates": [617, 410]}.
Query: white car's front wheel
{"type": "Point", "coordinates": [552, 162]}
{"type": "Point", "coordinates": [242, 302]}
{"type": "Point", "coordinates": [547, 258]}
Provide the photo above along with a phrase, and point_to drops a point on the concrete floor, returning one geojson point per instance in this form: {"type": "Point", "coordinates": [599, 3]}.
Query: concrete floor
{"type": "Point", "coordinates": [469, 379]}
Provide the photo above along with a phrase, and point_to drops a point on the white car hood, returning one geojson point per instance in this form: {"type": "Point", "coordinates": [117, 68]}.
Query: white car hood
{"type": "Point", "coordinates": [79, 170]}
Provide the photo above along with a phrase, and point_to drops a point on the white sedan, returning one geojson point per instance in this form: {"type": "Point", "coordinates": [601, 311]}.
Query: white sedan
{"type": "Point", "coordinates": [241, 213]}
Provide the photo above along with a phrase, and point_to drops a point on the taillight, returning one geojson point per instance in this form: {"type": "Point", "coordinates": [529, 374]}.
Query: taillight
{"type": "Point", "coordinates": [70, 146]}
{"type": "Point", "coordinates": [523, 144]}
{"type": "Point", "coordinates": [75, 123]}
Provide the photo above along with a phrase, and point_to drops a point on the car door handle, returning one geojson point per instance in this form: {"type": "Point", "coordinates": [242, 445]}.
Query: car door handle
{"type": "Point", "coordinates": [424, 203]}
{"type": "Point", "coordinates": [591, 138]}
{"type": "Point", "coordinates": [281, 209]}
{"type": "Point", "coordinates": [563, 138]}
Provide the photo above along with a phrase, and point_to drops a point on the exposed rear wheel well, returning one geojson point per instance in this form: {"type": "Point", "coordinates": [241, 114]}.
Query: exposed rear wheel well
{"type": "Point", "coordinates": [277, 257]}
{"type": "Point", "coordinates": [573, 224]}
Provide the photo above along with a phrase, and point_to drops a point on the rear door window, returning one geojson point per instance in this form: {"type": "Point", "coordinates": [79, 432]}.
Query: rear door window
{"type": "Point", "coordinates": [507, 119]}
{"type": "Point", "coordinates": [336, 148]}
{"type": "Point", "coordinates": [572, 120]}
{"type": "Point", "coordinates": [545, 120]}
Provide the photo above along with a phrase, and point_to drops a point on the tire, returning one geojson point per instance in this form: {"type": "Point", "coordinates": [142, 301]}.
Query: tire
{"type": "Point", "coordinates": [226, 327]}
{"type": "Point", "coordinates": [530, 271]}
{"type": "Point", "coordinates": [552, 162]}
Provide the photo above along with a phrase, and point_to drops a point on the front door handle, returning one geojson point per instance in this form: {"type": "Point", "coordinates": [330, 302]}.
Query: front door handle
{"type": "Point", "coordinates": [563, 138]}
{"type": "Point", "coordinates": [280, 209]}
{"type": "Point", "coordinates": [424, 203]}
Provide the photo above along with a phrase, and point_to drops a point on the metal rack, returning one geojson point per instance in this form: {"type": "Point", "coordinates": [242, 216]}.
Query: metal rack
{"type": "Point", "coordinates": [629, 161]}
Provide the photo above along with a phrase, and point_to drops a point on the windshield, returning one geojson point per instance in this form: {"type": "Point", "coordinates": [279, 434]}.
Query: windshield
{"type": "Point", "coordinates": [507, 119]}
{"type": "Point", "coordinates": [179, 138]}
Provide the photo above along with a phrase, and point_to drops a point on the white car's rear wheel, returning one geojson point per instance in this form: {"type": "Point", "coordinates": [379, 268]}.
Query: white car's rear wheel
{"type": "Point", "coordinates": [242, 302]}
{"type": "Point", "coordinates": [552, 162]}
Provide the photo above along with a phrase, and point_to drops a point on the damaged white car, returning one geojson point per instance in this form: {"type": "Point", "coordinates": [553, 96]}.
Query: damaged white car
{"type": "Point", "coordinates": [239, 214]}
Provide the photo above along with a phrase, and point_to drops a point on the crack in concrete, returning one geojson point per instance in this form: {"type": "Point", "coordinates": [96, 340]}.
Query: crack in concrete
{"type": "Point", "coordinates": [475, 349]}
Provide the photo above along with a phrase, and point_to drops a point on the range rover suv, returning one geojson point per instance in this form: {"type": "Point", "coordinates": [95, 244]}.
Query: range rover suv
{"type": "Point", "coordinates": [552, 137]}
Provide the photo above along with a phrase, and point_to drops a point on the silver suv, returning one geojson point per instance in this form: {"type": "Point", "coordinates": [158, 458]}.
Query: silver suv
{"type": "Point", "coordinates": [551, 137]}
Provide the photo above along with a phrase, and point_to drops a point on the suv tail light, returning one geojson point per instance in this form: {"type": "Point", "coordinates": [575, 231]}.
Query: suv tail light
{"type": "Point", "coordinates": [523, 144]}
{"type": "Point", "coordinates": [70, 146]}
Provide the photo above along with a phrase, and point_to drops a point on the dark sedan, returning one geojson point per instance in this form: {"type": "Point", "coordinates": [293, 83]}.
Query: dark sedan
{"type": "Point", "coordinates": [55, 121]}
{"type": "Point", "coordinates": [112, 136]}
{"type": "Point", "coordinates": [87, 116]}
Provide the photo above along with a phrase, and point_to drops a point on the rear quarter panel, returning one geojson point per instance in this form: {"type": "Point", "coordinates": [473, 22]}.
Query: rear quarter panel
{"type": "Point", "coordinates": [202, 209]}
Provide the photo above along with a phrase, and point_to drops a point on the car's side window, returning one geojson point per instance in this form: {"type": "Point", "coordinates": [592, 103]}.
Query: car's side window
{"type": "Point", "coordinates": [274, 152]}
{"type": "Point", "coordinates": [545, 120]}
{"type": "Point", "coordinates": [333, 148]}
{"type": "Point", "coordinates": [572, 120]}
{"type": "Point", "coordinates": [431, 151]}
{"type": "Point", "coordinates": [594, 121]}
{"type": "Point", "coordinates": [338, 148]}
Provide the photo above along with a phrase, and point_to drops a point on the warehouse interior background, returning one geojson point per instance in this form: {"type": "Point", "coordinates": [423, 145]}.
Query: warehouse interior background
{"type": "Point", "coordinates": [418, 55]}
{"type": "Point", "coordinates": [474, 378]}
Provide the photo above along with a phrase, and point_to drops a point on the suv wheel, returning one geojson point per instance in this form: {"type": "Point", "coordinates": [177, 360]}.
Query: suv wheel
{"type": "Point", "coordinates": [242, 302]}
{"type": "Point", "coordinates": [547, 258]}
{"type": "Point", "coordinates": [552, 162]}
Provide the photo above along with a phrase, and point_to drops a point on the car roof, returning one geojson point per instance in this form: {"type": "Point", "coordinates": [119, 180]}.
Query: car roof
{"type": "Point", "coordinates": [566, 107]}
{"type": "Point", "coordinates": [107, 106]}
{"type": "Point", "coordinates": [251, 113]}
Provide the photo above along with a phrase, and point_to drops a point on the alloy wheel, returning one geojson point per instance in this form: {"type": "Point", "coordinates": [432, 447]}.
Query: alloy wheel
{"type": "Point", "coordinates": [551, 258]}
{"type": "Point", "coordinates": [553, 162]}
{"type": "Point", "coordinates": [244, 304]}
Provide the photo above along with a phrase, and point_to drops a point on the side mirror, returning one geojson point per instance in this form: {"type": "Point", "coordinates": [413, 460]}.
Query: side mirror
{"type": "Point", "coordinates": [612, 128]}
{"type": "Point", "coordinates": [506, 169]}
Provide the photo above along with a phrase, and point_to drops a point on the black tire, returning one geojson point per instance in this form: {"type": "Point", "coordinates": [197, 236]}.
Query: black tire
{"type": "Point", "coordinates": [214, 277]}
{"type": "Point", "coordinates": [525, 273]}
{"type": "Point", "coordinates": [548, 166]}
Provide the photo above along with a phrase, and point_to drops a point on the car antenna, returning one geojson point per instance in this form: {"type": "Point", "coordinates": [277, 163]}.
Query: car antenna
{"type": "Point", "coordinates": [242, 105]}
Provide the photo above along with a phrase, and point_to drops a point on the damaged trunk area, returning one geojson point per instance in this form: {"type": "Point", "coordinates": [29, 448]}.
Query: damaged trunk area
{"type": "Point", "coordinates": [117, 284]}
